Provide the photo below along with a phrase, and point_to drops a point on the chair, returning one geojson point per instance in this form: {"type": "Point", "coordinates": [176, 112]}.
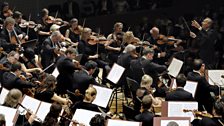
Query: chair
{"type": "Point", "coordinates": [132, 85]}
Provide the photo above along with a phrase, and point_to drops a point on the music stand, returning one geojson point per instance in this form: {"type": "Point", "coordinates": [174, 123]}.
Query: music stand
{"type": "Point", "coordinates": [114, 76]}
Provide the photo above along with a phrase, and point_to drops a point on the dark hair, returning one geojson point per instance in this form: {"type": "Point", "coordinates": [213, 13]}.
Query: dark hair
{"type": "Point", "coordinates": [71, 51]}
{"type": "Point", "coordinates": [50, 81]}
{"type": "Point", "coordinates": [181, 80]}
{"type": "Point", "coordinates": [52, 116]}
{"type": "Point", "coordinates": [29, 53]}
{"type": "Point", "coordinates": [2, 120]}
{"type": "Point", "coordinates": [146, 102]}
{"type": "Point", "coordinates": [90, 65]}
{"type": "Point", "coordinates": [17, 14]}
{"type": "Point", "coordinates": [73, 20]}
{"type": "Point", "coordinates": [197, 64]}
{"type": "Point", "coordinates": [147, 51]}
{"type": "Point", "coordinates": [16, 66]}
{"type": "Point", "coordinates": [4, 4]}
{"type": "Point", "coordinates": [97, 120]}
{"type": "Point", "coordinates": [44, 12]}
{"type": "Point", "coordinates": [219, 108]}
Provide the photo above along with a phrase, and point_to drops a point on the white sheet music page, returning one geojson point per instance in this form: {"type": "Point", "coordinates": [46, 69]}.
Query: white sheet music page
{"type": "Point", "coordinates": [44, 108]}
{"type": "Point", "coordinates": [175, 109]}
{"type": "Point", "coordinates": [55, 72]}
{"type": "Point", "coordinates": [3, 94]}
{"type": "Point", "coordinates": [30, 103]}
{"type": "Point", "coordinates": [83, 116]}
{"type": "Point", "coordinates": [115, 73]}
{"type": "Point", "coordinates": [174, 67]}
{"type": "Point", "coordinates": [191, 86]}
{"type": "Point", "coordinates": [215, 76]}
{"type": "Point", "coordinates": [9, 114]}
{"type": "Point", "coordinates": [179, 122]}
{"type": "Point", "coordinates": [122, 123]}
{"type": "Point", "coordinates": [103, 96]}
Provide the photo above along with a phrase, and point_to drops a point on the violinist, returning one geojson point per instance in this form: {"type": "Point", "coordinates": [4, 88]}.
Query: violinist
{"type": "Point", "coordinates": [5, 11]}
{"type": "Point", "coordinates": [145, 65]}
{"type": "Point", "coordinates": [18, 20]}
{"type": "Point", "coordinates": [12, 79]}
{"type": "Point", "coordinates": [29, 61]}
{"type": "Point", "coordinates": [118, 27]}
{"type": "Point", "coordinates": [159, 49]}
{"type": "Point", "coordinates": [216, 120]}
{"type": "Point", "coordinates": [91, 52]}
{"type": "Point", "coordinates": [50, 50]}
{"type": "Point", "coordinates": [114, 48]}
{"type": "Point", "coordinates": [73, 33]}
{"type": "Point", "coordinates": [46, 92]}
{"type": "Point", "coordinates": [66, 68]}
{"type": "Point", "coordinates": [10, 35]}
{"type": "Point", "coordinates": [44, 30]}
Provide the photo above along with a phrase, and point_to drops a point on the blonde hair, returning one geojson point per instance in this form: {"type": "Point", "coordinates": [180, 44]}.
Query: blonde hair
{"type": "Point", "coordinates": [146, 79]}
{"type": "Point", "coordinates": [84, 32]}
{"type": "Point", "coordinates": [128, 36]}
{"type": "Point", "coordinates": [90, 94]}
{"type": "Point", "coordinates": [13, 98]}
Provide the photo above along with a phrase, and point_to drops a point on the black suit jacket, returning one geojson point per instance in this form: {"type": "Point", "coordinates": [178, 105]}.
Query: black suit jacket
{"type": "Point", "coordinates": [11, 81]}
{"type": "Point", "coordinates": [5, 40]}
{"type": "Point", "coordinates": [202, 95]}
{"type": "Point", "coordinates": [206, 40]}
{"type": "Point", "coordinates": [146, 118]}
{"type": "Point", "coordinates": [140, 66]}
{"type": "Point", "coordinates": [47, 54]}
{"type": "Point", "coordinates": [65, 79]}
{"type": "Point", "coordinates": [82, 81]}
{"type": "Point", "coordinates": [179, 95]}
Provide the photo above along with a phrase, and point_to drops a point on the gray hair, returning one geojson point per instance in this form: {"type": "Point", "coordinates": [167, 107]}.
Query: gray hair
{"type": "Point", "coordinates": [12, 98]}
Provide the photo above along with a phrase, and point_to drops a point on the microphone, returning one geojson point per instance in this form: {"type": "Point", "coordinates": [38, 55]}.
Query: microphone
{"type": "Point", "coordinates": [222, 76]}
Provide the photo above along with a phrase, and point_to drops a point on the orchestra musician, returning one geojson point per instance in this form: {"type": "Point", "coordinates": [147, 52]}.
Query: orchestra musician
{"type": "Point", "coordinates": [66, 67]}
{"type": "Point", "coordinates": [203, 88]}
{"type": "Point", "coordinates": [179, 94]}
{"type": "Point", "coordinates": [49, 51]}
{"type": "Point", "coordinates": [5, 11]}
{"type": "Point", "coordinates": [73, 33]}
{"type": "Point", "coordinates": [18, 20]}
{"type": "Point", "coordinates": [145, 65]}
{"type": "Point", "coordinates": [14, 79]}
{"type": "Point", "coordinates": [215, 120]}
{"type": "Point", "coordinates": [46, 92]}
{"type": "Point", "coordinates": [90, 49]}
{"type": "Point", "coordinates": [118, 27]}
{"type": "Point", "coordinates": [9, 35]}
{"type": "Point", "coordinates": [146, 117]}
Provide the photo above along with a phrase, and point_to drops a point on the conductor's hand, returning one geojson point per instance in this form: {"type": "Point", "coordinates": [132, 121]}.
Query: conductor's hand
{"type": "Point", "coordinates": [195, 24]}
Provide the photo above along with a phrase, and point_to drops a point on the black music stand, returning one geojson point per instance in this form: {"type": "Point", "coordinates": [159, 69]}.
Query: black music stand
{"type": "Point", "coordinates": [113, 77]}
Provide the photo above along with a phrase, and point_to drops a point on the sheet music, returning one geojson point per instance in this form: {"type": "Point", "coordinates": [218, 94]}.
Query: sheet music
{"type": "Point", "coordinates": [115, 73]}
{"type": "Point", "coordinates": [215, 76]}
{"type": "Point", "coordinates": [122, 123]}
{"type": "Point", "coordinates": [43, 110]}
{"type": "Point", "coordinates": [190, 86]}
{"type": "Point", "coordinates": [3, 95]}
{"type": "Point", "coordinates": [174, 67]}
{"type": "Point", "coordinates": [30, 103]}
{"type": "Point", "coordinates": [103, 96]}
{"type": "Point", "coordinates": [9, 114]}
{"type": "Point", "coordinates": [55, 72]}
{"type": "Point", "coordinates": [175, 109]}
{"type": "Point", "coordinates": [83, 116]}
{"type": "Point", "coordinates": [179, 122]}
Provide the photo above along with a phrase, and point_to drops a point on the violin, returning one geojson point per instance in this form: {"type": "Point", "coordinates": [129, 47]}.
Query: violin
{"type": "Point", "coordinates": [169, 40]}
{"type": "Point", "coordinates": [93, 40]}
{"type": "Point", "coordinates": [52, 20]}
{"type": "Point", "coordinates": [8, 13]}
{"type": "Point", "coordinates": [198, 113]}
{"type": "Point", "coordinates": [30, 24]}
